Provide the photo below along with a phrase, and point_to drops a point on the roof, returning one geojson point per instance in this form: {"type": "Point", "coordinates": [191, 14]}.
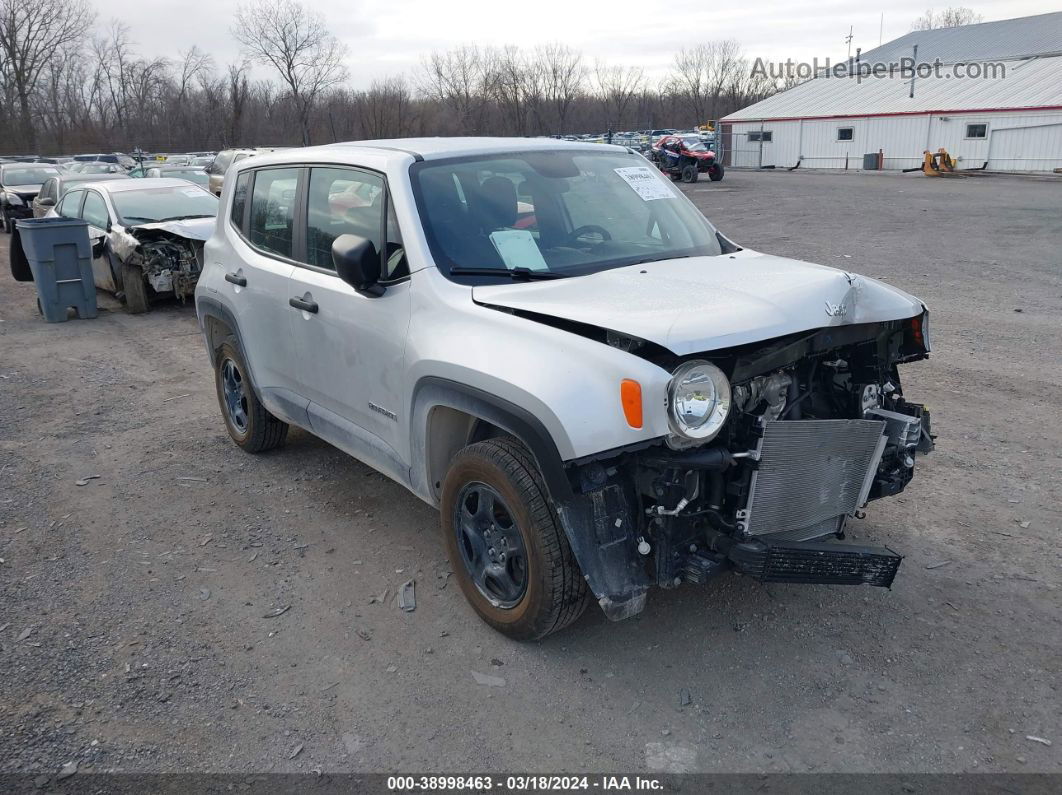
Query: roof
{"type": "Point", "coordinates": [1029, 50]}
{"type": "Point", "coordinates": [423, 148]}
{"type": "Point", "coordinates": [1026, 84]}
{"type": "Point", "coordinates": [985, 41]}
{"type": "Point", "coordinates": [147, 183]}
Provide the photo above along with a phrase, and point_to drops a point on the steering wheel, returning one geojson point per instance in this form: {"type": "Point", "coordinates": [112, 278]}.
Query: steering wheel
{"type": "Point", "coordinates": [589, 229]}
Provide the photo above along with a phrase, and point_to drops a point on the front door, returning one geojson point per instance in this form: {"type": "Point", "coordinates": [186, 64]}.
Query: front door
{"type": "Point", "coordinates": [94, 211]}
{"type": "Point", "coordinates": [351, 346]}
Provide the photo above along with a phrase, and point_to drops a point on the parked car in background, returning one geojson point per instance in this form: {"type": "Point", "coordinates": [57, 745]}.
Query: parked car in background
{"type": "Point", "coordinates": [115, 157]}
{"type": "Point", "coordinates": [193, 174]}
{"type": "Point", "coordinates": [609, 398]}
{"type": "Point", "coordinates": [19, 185]}
{"type": "Point", "coordinates": [101, 167]}
{"type": "Point", "coordinates": [220, 164]}
{"type": "Point", "coordinates": [54, 188]}
{"type": "Point", "coordinates": [147, 235]}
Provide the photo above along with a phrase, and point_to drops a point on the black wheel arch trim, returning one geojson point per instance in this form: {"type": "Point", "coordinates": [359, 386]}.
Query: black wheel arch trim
{"type": "Point", "coordinates": [509, 417]}
{"type": "Point", "coordinates": [611, 566]}
{"type": "Point", "coordinates": [211, 307]}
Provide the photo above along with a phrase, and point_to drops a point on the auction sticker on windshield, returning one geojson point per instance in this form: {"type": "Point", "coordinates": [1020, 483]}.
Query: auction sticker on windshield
{"type": "Point", "coordinates": [645, 183]}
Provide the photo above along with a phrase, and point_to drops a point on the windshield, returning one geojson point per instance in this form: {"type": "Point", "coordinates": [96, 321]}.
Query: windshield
{"type": "Point", "coordinates": [26, 176]}
{"type": "Point", "coordinates": [551, 214]}
{"type": "Point", "coordinates": [163, 204]}
{"type": "Point", "coordinates": [695, 144]}
{"type": "Point", "coordinates": [100, 168]}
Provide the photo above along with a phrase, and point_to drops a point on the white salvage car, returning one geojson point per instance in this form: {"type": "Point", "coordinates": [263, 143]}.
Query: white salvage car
{"type": "Point", "coordinates": [548, 341]}
{"type": "Point", "coordinates": [147, 235]}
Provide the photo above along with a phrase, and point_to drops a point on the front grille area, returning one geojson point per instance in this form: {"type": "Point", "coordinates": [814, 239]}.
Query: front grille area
{"type": "Point", "coordinates": [824, 564]}
{"type": "Point", "coordinates": [810, 471]}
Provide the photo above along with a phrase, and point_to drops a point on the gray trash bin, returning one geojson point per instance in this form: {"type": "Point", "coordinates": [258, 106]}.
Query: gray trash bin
{"type": "Point", "coordinates": [60, 257]}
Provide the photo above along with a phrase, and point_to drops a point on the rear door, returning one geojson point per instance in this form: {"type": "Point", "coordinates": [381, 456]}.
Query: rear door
{"type": "Point", "coordinates": [258, 282]}
{"type": "Point", "coordinates": [351, 346]}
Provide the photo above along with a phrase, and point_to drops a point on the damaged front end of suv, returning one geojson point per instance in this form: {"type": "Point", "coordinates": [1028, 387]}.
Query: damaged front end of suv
{"type": "Point", "coordinates": [775, 445]}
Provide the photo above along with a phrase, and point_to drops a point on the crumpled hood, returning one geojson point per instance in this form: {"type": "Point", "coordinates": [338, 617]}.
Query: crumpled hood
{"type": "Point", "coordinates": [23, 190]}
{"type": "Point", "coordinates": [710, 303]}
{"type": "Point", "coordinates": [191, 228]}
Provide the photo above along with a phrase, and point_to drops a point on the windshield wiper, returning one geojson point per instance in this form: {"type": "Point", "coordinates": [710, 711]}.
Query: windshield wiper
{"type": "Point", "coordinates": [185, 218]}
{"type": "Point", "coordinates": [516, 274]}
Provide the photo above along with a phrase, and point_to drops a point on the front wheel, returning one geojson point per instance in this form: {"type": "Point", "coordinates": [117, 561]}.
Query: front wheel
{"type": "Point", "coordinates": [689, 173]}
{"type": "Point", "coordinates": [9, 225]}
{"type": "Point", "coordinates": [135, 289]}
{"type": "Point", "coordinates": [715, 173]}
{"type": "Point", "coordinates": [505, 543]}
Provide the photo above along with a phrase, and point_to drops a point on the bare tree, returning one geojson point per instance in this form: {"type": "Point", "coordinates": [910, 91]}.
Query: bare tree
{"type": "Point", "coordinates": [704, 74]}
{"type": "Point", "coordinates": [563, 78]}
{"type": "Point", "coordinates": [238, 92]}
{"type": "Point", "coordinates": [617, 86]}
{"type": "Point", "coordinates": [295, 41]}
{"type": "Point", "coordinates": [948, 18]}
{"type": "Point", "coordinates": [461, 79]}
{"type": "Point", "coordinates": [30, 33]}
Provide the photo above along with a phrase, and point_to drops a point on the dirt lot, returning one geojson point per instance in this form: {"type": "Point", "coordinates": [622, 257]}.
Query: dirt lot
{"type": "Point", "coordinates": [137, 612]}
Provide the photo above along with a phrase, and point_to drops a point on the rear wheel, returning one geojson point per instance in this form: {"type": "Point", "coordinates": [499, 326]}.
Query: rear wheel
{"type": "Point", "coordinates": [135, 288]}
{"type": "Point", "coordinates": [505, 543]}
{"type": "Point", "coordinates": [248, 422]}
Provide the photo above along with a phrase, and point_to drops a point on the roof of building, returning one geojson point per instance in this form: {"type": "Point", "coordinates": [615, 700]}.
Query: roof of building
{"type": "Point", "coordinates": [1028, 51]}
{"type": "Point", "coordinates": [985, 41]}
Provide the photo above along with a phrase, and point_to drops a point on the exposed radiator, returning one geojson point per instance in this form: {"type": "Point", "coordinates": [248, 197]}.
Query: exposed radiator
{"type": "Point", "coordinates": [811, 471]}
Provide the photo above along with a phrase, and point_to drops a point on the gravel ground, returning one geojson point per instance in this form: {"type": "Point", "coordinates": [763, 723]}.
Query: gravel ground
{"type": "Point", "coordinates": [195, 608]}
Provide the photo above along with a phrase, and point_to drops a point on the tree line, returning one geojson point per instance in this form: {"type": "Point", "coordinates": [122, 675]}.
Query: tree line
{"type": "Point", "coordinates": [70, 85]}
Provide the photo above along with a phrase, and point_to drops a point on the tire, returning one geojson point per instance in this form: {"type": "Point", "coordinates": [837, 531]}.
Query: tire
{"type": "Point", "coordinates": [135, 289]}
{"type": "Point", "coordinates": [715, 173]}
{"type": "Point", "coordinates": [9, 225]}
{"type": "Point", "coordinates": [523, 522]}
{"type": "Point", "coordinates": [248, 422]}
{"type": "Point", "coordinates": [689, 173]}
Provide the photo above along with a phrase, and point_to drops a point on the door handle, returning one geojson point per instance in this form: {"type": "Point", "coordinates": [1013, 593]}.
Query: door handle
{"type": "Point", "coordinates": [303, 304]}
{"type": "Point", "coordinates": [236, 279]}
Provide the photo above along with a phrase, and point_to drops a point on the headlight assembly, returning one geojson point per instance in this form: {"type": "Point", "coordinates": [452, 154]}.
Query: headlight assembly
{"type": "Point", "coordinates": [13, 199]}
{"type": "Point", "coordinates": [698, 402]}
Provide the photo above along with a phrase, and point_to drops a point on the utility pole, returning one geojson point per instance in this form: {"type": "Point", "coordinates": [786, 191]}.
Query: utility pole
{"type": "Point", "coordinates": [848, 41]}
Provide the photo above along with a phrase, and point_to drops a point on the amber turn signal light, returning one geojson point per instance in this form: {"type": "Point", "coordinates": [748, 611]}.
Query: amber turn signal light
{"type": "Point", "coordinates": [631, 397]}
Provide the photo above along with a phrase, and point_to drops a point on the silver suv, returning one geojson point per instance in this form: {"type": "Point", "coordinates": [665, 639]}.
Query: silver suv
{"type": "Point", "coordinates": [547, 341]}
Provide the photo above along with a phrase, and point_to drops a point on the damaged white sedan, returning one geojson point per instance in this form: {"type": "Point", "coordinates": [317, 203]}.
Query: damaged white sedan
{"type": "Point", "coordinates": [147, 235]}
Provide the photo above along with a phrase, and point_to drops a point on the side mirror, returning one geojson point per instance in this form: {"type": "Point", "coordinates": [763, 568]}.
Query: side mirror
{"type": "Point", "coordinates": [47, 201]}
{"type": "Point", "coordinates": [358, 263]}
{"type": "Point", "coordinates": [97, 248]}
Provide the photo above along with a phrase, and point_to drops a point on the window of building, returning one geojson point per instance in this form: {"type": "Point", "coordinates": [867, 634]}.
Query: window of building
{"type": "Point", "coordinates": [273, 210]}
{"type": "Point", "coordinates": [758, 136]}
{"type": "Point", "coordinates": [342, 201]}
{"type": "Point", "coordinates": [976, 130]}
{"type": "Point", "coordinates": [845, 133]}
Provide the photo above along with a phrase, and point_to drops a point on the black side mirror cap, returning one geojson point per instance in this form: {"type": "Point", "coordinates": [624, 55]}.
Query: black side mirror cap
{"type": "Point", "coordinates": [48, 201]}
{"type": "Point", "coordinates": [357, 263]}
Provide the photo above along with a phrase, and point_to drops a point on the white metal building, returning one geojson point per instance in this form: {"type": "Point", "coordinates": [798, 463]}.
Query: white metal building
{"type": "Point", "coordinates": [1006, 118]}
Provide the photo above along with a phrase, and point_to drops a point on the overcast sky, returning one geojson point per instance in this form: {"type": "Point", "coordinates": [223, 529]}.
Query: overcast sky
{"type": "Point", "coordinates": [390, 36]}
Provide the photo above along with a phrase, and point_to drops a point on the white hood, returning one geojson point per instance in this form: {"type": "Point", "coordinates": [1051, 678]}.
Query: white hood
{"type": "Point", "coordinates": [709, 303]}
{"type": "Point", "coordinates": [191, 228]}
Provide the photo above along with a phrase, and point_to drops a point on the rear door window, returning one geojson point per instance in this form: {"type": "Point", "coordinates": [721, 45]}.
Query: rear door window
{"type": "Point", "coordinates": [272, 221]}
{"type": "Point", "coordinates": [70, 206]}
